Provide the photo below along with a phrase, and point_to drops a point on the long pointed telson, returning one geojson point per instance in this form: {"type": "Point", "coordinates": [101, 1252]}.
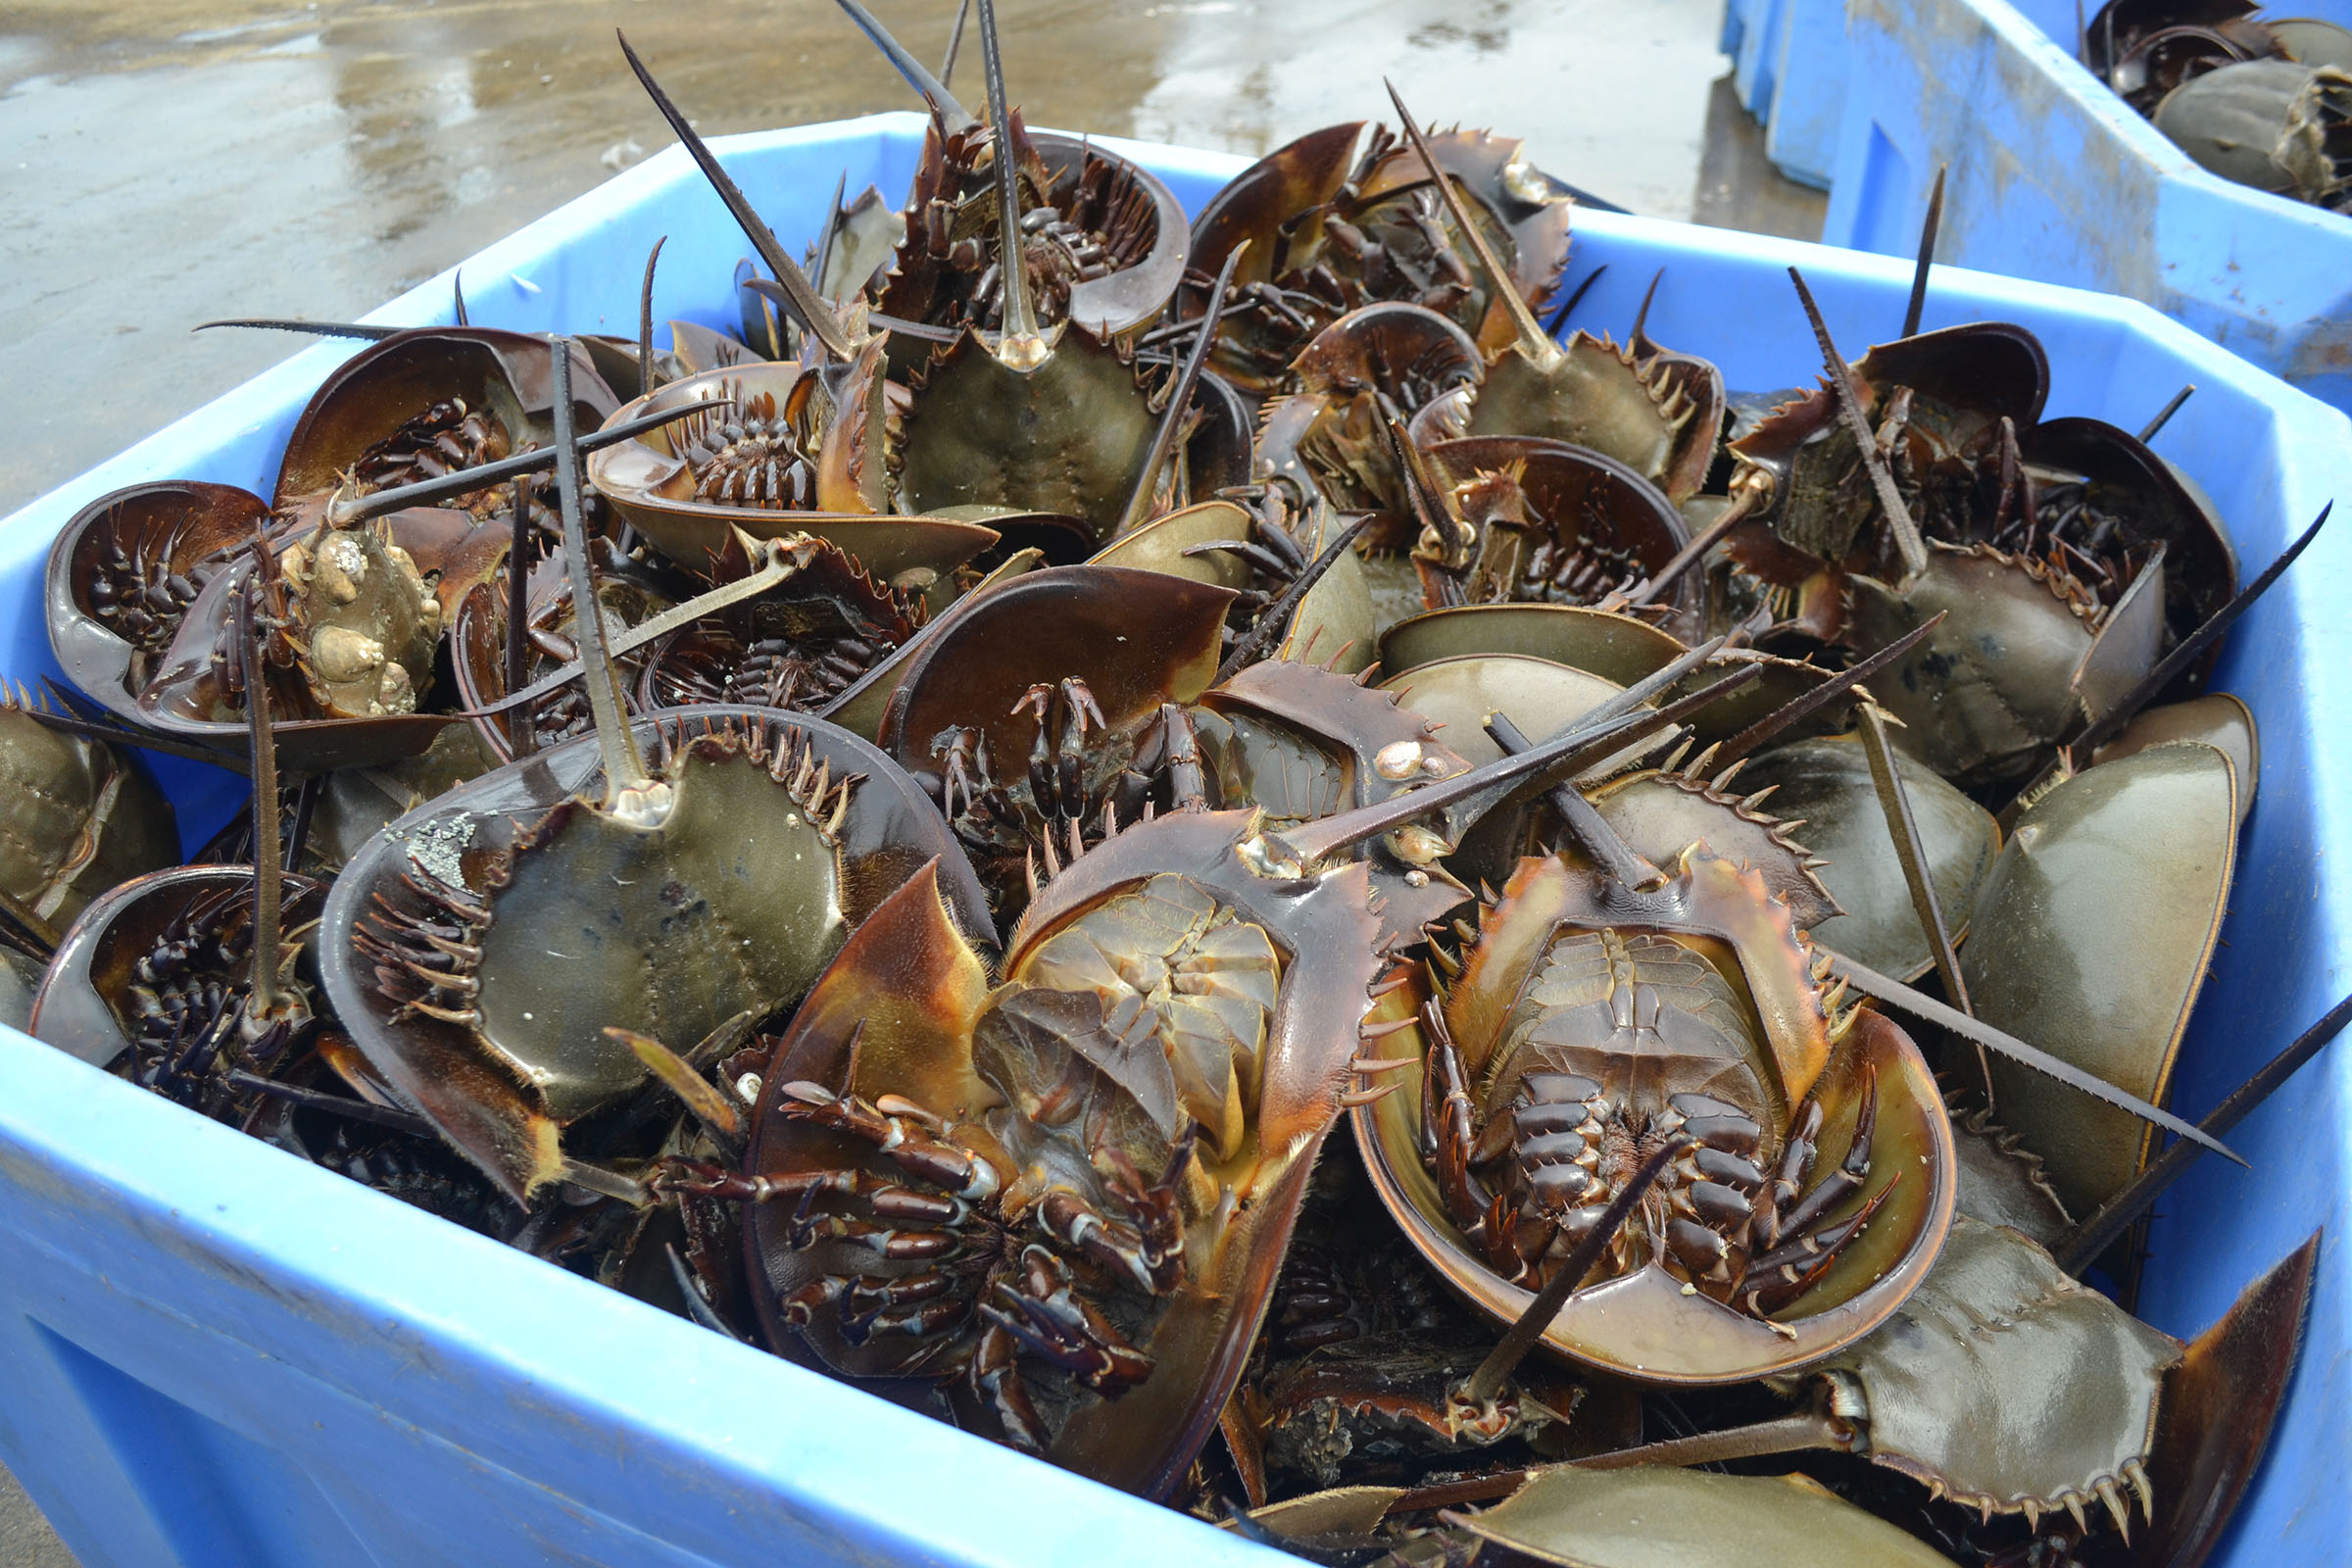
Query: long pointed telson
{"type": "Point", "coordinates": [73, 723]}
{"type": "Point", "coordinates": [935, 92]}
{"type": "Point", "coordinates": [629, 792]}
{"type": "Point", "coordinates": [947, 66]}
{"type": "Point", "coordinates": [519, 610]}
{"type": "Point", "coordinates": [1907, 542]}
{"type": "Point", "coordinates": [1617, 860]}
{"type": "Point", "coordinates": [461, 481]}
{"type": "Point", "coordinates": [2164, 415]}
{"type": "Point", "coordinates": [1276, 620]}
{"type": "Point", "coordinates": [716, 1114]}
{"type": "Point", "coordinates": [1501, 1361]}
{"type": "Point", "coordinates": [1534, 342]}
{"type": "Point", "coordinates": [1815, 1428]}
{"type": "Point", "coordinates": [649, 379]}
{"type": "Point", "coordinates": [771, 572]}
{"type": "Point", "coordinates": [1019, 345]}
{"type": "Point", "coordinates": [267, 1005]}
{"type": "Point", "coordinates": [1888, 989]}
{"type": "Point", "coordinates": [457, 288]}
{"type": "Point", "coordinates": [1743, 504]}
{"type": "Point", "coordinates": [815, 315]}
{"type": "Point", "coordinates": [1567, 307]}
{"type": "Point", "coordinates": [1917, 305]}
{"type": "Point", "coordinates": [1894, 801]}
{"type": "Point", "coordinates": [873, 319]}
{"type": "Point", "coordinates": [2195, 644]}
{"type": "Point", "coordinates": [1180, 397]}
{"type": "Point", "coordinates": [1798, 709]}
{"type": "Point", "coordinates": [370, 331]}
{"type": "Point", "coordinates": [2079, 1248]}
{"type": "Point", "coordinates": [1578, 746]}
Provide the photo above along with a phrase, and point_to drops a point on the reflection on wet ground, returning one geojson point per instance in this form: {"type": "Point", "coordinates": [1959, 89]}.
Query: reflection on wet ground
{"type": "Point", "coordinates": [168, 161]}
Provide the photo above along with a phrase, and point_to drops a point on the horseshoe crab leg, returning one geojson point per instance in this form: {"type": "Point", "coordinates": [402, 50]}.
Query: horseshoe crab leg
{"type": "Point", "coordinates": [1512, 1349]}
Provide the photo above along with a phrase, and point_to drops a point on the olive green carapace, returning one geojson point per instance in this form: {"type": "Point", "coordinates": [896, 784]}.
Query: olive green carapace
{"type": "Point", "coordinates": [2005, 1385]}
{"type": "Point", "coordinates": [1655, 1516]}
{"type": "Point", "coordinates": [1068, 436]}
{"type": "Point", "coordinates": [1990, 688]}
{"type": "Point", "coordinates": [81, 818]}
{"type": "Point", "coordinates": [733, 902]}
{"type": "Point", "coordinates": [1825, 783]}
{"type": "Point", "coordinates": [1597, 396]}
{"type": "Point", "coordinates": [2085, 943]}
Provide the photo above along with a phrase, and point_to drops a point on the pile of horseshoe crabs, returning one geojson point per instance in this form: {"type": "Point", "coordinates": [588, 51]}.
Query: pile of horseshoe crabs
{"type": "Point", "coordinates": [1211, 853]}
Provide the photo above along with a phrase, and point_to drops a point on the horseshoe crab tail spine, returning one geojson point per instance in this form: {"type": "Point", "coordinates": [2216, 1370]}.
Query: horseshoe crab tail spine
{"type": "Point", "coordinates": [346, 510]}
{"type": "Point", "coordinates": [1180, 396]}
{"type": "Point", "coordinates": [918, 75]}
{"type": "Point", "coordinates": [1907, 541]}
{"type": "Point", "coordinates": [1829, 691]}
{"type": "Point", "coordinates": [1579, 745]}
{"type": "Point", "coordinates": [947, 66]}
{"type": "Point", "coordinates": [624, 766]}
{"type": "Point", "coordinates": [1618, 860]}
{"type": "Point", "coordinates": [1512, 1349]}
{"type": "Point", "coordinates": [1895, 802]}
{"type": "Point", "coordinates": [1918, 304]}
{"type": "Point", "coordinates": [1020, 346]}
{"type": "Point", "coordinates": [1790, 1434]}
{"type": "Point", "coordinates": [266, 1004]}
{"type": "Point", "coordinates": [1534, 342]}
{"type": "Point", "coordinates": [648, 379]}
{"type": "Point", "coordinates": [2081, 1246]}
{"type": "Point", "coordinates": [814, 314]}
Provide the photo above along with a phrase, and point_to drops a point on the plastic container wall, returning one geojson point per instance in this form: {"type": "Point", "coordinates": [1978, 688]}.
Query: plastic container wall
{"type": "Point", "coordinates": [213, 1353]}
{"type": "Point", "coordinates": [2055, 177]}
{"type": "Point", "coordinates": [1808, 98]}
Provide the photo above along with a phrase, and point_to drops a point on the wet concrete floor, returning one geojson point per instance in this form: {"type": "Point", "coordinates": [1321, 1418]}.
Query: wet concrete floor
{"type": "Point", "coordinates": [164, 162]}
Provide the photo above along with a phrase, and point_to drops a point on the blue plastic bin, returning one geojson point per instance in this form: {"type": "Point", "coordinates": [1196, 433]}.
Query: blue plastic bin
{"type": "Point", "coordinates": [1808, 94]}
{"type": "Point", "coordinates": [1789, 71]}
{"type": "Point", "coordinates": [2055, 177]}
{"type": "Point", "coordinates": [213, 1353]}
{"type": "Point", "coordinates": [1756, 64]}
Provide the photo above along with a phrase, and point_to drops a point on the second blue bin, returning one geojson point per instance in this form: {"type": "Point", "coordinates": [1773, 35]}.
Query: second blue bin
{"type": "Point", "coordinates": [2055, 177]}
